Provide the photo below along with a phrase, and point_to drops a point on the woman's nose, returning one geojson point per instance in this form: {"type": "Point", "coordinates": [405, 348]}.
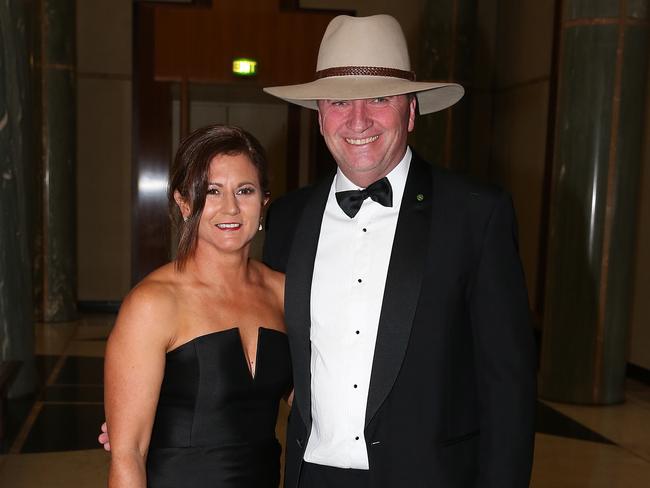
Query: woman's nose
{"type": "Point", "coordinates": [231, 205]}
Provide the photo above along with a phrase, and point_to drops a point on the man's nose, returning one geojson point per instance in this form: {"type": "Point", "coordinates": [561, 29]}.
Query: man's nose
{"type": "Point", "coordinates": [359, 118]}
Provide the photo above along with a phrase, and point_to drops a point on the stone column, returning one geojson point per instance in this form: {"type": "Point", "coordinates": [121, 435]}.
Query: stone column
{"type": "Point", "coordinates": [601, 90]}
{"type": "Point", "coordinates": [17, 174]}
{"type": "Point", "coordinates": [58, 283]}
{"type": "Point", "coordinates": [446, 53]}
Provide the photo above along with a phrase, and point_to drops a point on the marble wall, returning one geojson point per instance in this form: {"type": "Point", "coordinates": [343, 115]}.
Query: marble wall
{"type": "Point", "coordinates": [18, 192]}
{"type": "Point", "coordinates": [597, 157]}
{"type": "Point", "coordinates": [57, 253]}
{"type": "Point", "coordinates": [639, 345]}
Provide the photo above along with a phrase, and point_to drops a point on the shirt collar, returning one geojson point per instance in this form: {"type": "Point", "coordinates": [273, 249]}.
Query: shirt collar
{"type": "Point", "coordinates": [397, 177]}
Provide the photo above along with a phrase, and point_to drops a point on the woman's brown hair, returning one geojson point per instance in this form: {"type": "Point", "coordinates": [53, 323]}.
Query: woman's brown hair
{"type": "Point", "coordinates": [190, 170]}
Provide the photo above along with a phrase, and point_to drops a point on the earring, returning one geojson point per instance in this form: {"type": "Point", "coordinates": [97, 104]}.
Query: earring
{"type": "Point", "coordinates": [260, 227]}
{"type": "Point", "coordinates": [185, 219]}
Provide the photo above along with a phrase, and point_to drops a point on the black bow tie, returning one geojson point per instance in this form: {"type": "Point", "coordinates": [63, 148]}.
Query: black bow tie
{"type": "Point", "coordinates": [380, 191]}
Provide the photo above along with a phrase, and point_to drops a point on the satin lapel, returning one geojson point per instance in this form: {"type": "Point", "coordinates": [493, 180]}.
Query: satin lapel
{"type": "Point", "coordinates": [297, 298]}
{"type": "Point", "coordinates": [403, 282]}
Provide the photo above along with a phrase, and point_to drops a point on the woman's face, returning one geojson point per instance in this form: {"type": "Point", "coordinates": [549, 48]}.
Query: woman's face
{"type": "Point", "coordinates": [233, 204]}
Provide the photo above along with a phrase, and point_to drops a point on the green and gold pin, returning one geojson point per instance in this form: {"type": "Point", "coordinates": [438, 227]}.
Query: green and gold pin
{"type": "Point", "coordinates": [419, 197]}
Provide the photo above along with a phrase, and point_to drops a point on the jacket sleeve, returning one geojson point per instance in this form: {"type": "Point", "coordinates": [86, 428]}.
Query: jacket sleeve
{"type": "Point", "coordinates": [272, 254]}
{"type": "Point", "coordinates": [282, 219]}
{"type": "Point", "coordinates": [505, 354]}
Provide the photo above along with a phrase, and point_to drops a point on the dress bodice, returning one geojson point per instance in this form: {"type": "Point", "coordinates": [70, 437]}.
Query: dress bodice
{"type": "Point", "coordinates": [214, 419]}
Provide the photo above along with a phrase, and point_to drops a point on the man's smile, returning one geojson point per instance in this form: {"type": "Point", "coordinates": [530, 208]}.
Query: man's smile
{"type": "Point", "coordinates": [361, 142]}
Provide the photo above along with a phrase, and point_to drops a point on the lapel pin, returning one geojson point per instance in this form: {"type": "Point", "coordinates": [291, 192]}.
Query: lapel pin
{"type": "Point", "coordinates": [419, 197]}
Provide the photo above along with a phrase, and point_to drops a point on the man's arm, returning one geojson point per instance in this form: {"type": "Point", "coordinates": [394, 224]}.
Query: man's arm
{"type": "Point", "coordinates": [505, 355]}
{"type": "Point", "coordinates": [272, 251]}
{"type": "Point", "coordinates": [282, 219]}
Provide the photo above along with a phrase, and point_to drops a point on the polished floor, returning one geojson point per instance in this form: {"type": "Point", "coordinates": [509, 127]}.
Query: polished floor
{"type": "Point", "coordinates": [51, 439]}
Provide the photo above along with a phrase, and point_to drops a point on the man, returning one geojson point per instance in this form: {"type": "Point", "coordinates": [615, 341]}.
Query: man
{"type": "Point", "coordinates": [406, 305]}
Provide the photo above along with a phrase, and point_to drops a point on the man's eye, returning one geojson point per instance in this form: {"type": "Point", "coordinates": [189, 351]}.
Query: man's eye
{"type": "Point", "coordinates": [380, 100]}
{"type": "Point", "coordinates": [339, 103]}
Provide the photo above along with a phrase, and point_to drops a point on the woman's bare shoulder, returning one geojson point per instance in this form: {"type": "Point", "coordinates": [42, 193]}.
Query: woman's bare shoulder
{"type": "Point", "coordinates": [272, 279]}
{"type": "Point", "coordinates": [151, 306]}
{"type": "Point", "coordinates": [157, 289]}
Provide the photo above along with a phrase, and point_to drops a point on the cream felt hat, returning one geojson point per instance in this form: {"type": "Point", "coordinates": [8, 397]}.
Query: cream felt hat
{"type": "Point", "coordinates": [366, 57]}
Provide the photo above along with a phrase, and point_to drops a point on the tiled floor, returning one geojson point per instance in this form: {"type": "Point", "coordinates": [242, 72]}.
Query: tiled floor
{"type": "Point", "coordinates": [52, 437]}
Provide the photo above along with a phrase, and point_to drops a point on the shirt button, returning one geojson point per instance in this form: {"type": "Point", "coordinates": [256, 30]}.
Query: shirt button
{"type": "Point", "coordinates": [356, 332]}
{"type": "Point", "coordinates": [359, 280]}
{"type": "Point", "coordinates": [365, 230]}
{"type": "Point", "coordinates": [356, 438]}
{"type": "Point", "coordinates": [355, 386]}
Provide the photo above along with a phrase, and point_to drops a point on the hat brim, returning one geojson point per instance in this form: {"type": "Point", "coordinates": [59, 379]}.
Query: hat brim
{"type": "Point", "coordinates": [432, 97]}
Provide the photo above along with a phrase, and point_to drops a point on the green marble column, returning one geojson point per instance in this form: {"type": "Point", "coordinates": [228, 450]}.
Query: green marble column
{"type": "Point", "coordinates": [17, 175]}
{"type": "Point", "coordinates": [446, 53]}
{"type": "Point", "coordinates": [58, 283]}
{"type": "Point", "coordinates": [601, 93]}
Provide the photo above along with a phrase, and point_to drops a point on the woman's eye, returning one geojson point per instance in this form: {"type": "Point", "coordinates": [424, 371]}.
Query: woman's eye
{"type": "Point", "coordinates": [247, 190]}
{"type": "Point", "coordinates": [213, 191]}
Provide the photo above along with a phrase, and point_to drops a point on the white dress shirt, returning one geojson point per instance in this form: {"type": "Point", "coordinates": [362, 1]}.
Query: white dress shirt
{"type": "Point", "coordinates": [346, 296]}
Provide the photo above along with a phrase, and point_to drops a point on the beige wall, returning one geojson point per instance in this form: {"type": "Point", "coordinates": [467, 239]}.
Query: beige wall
{"type": "Point", "coordinates": [524, 45]}
{"type": "Point", "coordinates": [640, 317]}
{"type": "Point", "coordinates": [515, 54]}
{"type": "Point", "coordinates": [104, 135]}
{"type": "Point", "coordinates": [267, 122]}
{"type": "Point", "coordinates": [103, 148]}
{"type": "Point", "coordinates": [407, 12]}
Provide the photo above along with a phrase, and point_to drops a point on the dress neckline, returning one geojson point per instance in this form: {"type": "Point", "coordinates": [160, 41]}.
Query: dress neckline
{"type": "Point", "coordinates": [251, 371]}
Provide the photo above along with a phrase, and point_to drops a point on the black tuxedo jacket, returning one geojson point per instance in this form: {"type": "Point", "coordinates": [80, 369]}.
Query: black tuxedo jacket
{"type": "Point", "coordinates": [452, 389]}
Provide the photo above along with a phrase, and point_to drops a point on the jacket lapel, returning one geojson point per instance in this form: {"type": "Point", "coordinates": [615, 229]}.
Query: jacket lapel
{"type": "Point", "coordinates": [403, 282]}
{"type": "Point", "coordinates": [297, 301]}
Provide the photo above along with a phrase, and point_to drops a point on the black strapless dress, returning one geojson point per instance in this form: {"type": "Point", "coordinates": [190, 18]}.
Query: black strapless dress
{"type": "Point", "coordinates": [215, 423]}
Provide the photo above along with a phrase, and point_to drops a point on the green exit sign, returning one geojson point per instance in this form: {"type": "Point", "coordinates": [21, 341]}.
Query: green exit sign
{"type": "Point", "coordinates": [244, 67]}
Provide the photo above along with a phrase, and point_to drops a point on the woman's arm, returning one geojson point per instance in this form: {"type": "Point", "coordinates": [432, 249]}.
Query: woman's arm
{"type": "Point", "coordinates": [133, 372]}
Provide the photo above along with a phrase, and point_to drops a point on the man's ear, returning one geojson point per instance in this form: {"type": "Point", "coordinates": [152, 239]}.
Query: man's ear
{"type": "Point", "coordinates": [320, 119]}
{"type": "Point", "coordinates": [183, 206]}
{"type": "Point", "coordinates": [413, 103]}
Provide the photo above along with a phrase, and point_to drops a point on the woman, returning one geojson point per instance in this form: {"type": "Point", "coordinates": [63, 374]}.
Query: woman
{"type": "Point", "coordinates": [198, 358]}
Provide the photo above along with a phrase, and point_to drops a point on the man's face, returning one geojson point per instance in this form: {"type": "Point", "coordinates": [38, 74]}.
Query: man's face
{"type": "Point", "coordinates": [367, 137]}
